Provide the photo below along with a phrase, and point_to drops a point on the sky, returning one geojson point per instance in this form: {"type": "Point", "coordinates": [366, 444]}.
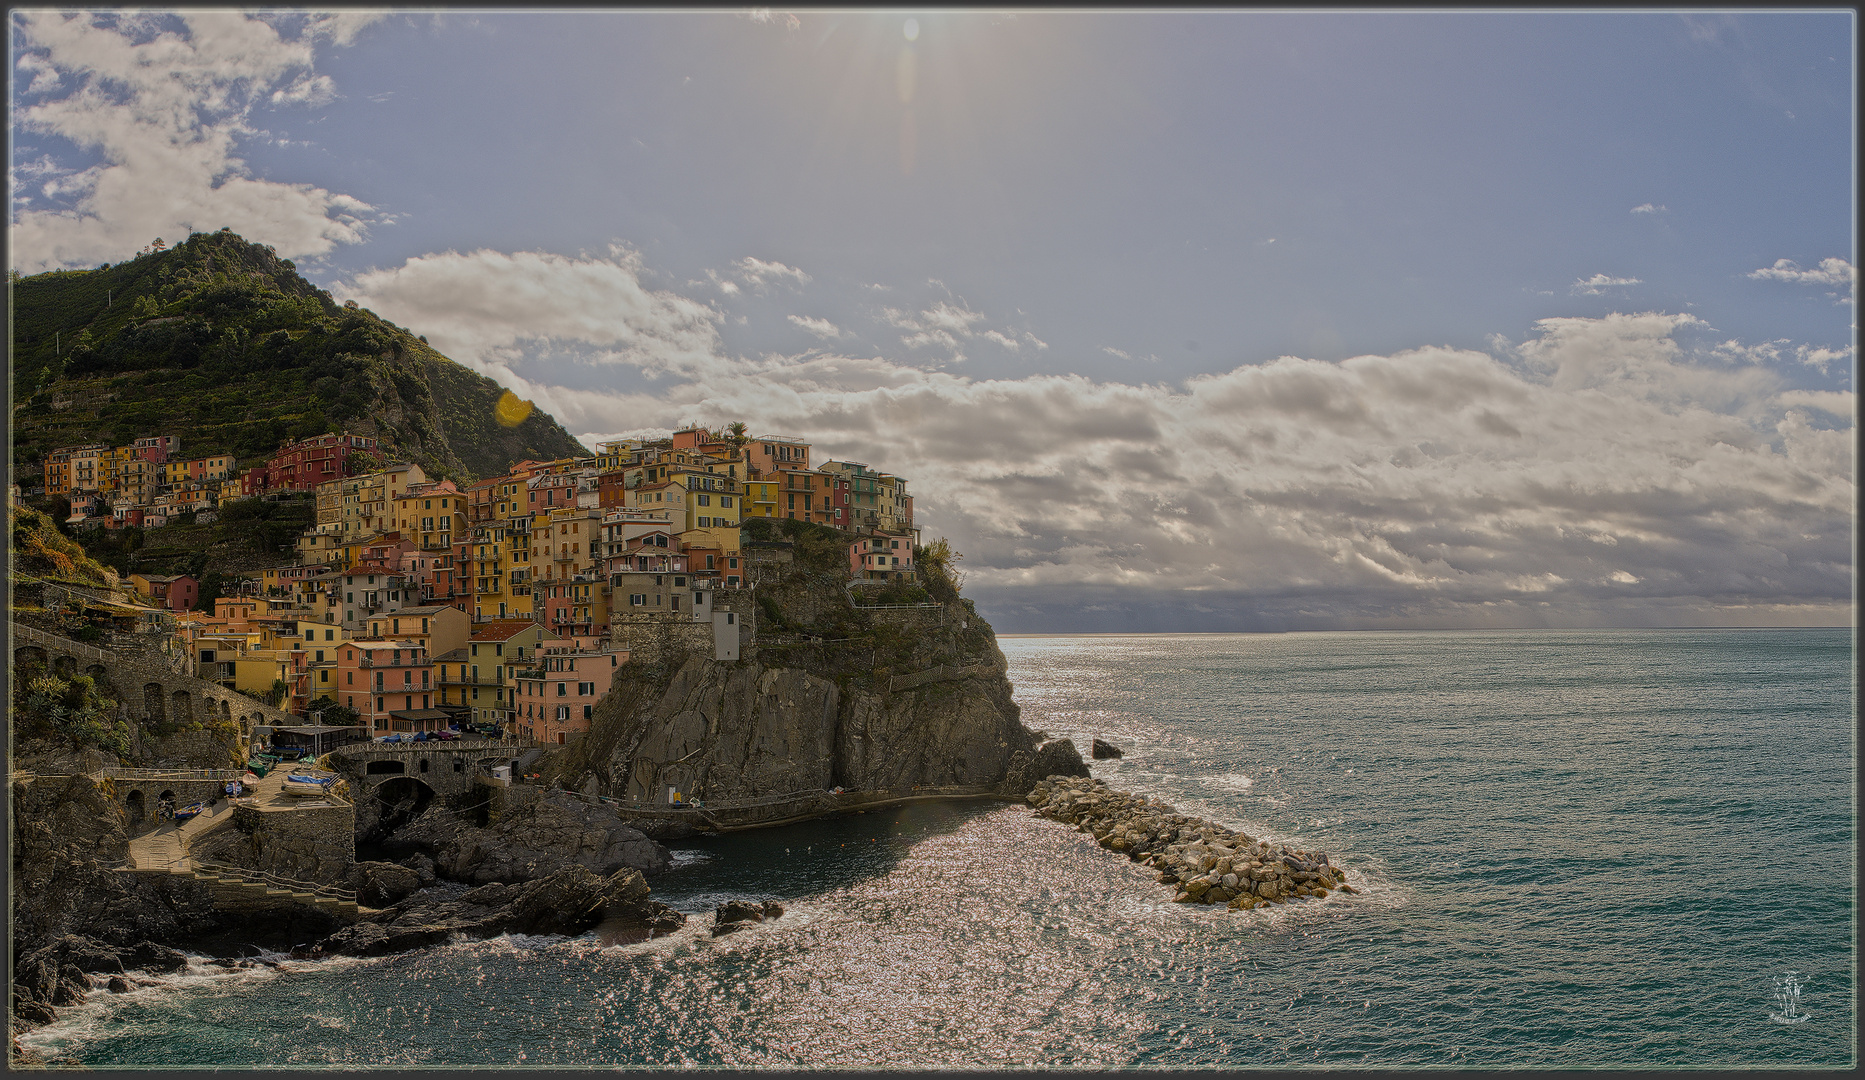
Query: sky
{"type": "Point", "coordinates": [1192, 321]}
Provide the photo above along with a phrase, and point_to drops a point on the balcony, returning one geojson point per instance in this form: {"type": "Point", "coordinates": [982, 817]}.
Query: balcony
{"type": "Point", "coordinates": [467, 680]}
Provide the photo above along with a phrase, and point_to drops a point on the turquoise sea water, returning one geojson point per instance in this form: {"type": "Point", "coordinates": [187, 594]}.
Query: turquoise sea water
{"type": "Point", "coordinates": [1578, 849]}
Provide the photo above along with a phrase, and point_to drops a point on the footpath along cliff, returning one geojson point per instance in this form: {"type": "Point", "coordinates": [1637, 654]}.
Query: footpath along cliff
{"type": "Point", "coordinates": [886, 703]}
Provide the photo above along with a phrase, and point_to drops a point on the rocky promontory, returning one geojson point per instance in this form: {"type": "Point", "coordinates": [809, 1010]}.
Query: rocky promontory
{"type": "Point", "coordinates": [1206, 862]}
{"type": "Point", "coordinates": [826, 694]}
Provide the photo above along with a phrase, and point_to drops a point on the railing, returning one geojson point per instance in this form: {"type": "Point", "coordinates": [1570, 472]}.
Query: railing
{"type": "Point", "coordinates": [20, 632]}
{"type": "Point", "coordinates": [261, 877]}
{"type": "Point", "coordinates": [172, 774]}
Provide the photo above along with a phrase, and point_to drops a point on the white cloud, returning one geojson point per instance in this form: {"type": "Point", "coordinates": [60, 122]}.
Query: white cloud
{"type": "Point", "coordinates": [757, 272]}
{"type": "Point", "coordinates": [950, 323]}
{"type": "Point", "coordinates": [1111, 351]}
{"type": "Point", "coordinates": [1834, 402]}
{"type": "Point", "coordinates": [1648, 208]}
{"type": "Point", "coordinates": [1838, 273]}
{"type": "Point", "coordinates": [163, 100]}
{"type": "Point", "coordinates": [308, 90]}
{"type": "Point", "coordinates": [822, 328]}
{"type": "Point", "coordinates": [342, 26]}
{"type": "Point", "coordinates": [481, 307]}
{"type": "Point", "coordinates": [1599, 283]}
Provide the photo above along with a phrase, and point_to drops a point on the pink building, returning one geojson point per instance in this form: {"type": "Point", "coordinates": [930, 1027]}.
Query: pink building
{"type": "Point", "coordinates": [380, 679]}
{"type": "Point", "coordinates": [882, 557]}
{"type": "Point", "coordinates": [558, 698]}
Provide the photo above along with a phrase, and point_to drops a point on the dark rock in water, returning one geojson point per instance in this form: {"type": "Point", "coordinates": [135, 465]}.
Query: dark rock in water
{"type": "Point", "coordinates": [737, 914]}
{"type": "Point", "coordinates": [1100, 750]}
{"type": "Point", "coordinates": [739, 911]}
{"type": "Point", "coordinates": [71, 986]}
{"type": "Point", "coordinates": [569, 901]}
{"type": "Point", "coordinates": [118, 986]}
{"type": "Point", "coordinates": [148, 956]}
{"type": "Point", "coordinates": [33, 1012]}
{"type": "Point", "coordinates": [379, 884]}
{"type": "Point", "coordinates": [372, 939]}
{"type": "Point", "coordinates": [307, 952]}
{"type": "Point", "coordinates": [1057, 757]}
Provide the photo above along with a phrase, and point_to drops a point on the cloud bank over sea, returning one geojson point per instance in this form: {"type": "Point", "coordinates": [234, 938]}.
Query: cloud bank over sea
{"type": "Point", "coordinates": [1618, 470]}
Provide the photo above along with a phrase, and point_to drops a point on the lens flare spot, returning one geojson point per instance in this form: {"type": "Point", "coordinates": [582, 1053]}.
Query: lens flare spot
{"type": "Point", "coordinates": [511, 409]}
{"type": "Point", "coordinates": [911, 29]}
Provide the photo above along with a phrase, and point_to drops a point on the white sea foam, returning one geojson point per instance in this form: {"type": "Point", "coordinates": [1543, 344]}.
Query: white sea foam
{"type": "Point", "coordinates": [1231, 782]}
{"type": "Point", "coordinates": [685, 857]}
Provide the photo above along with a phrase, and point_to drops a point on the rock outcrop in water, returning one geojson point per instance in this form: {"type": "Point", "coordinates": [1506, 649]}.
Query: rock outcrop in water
{"type": "Point", "coordinates": [569, 901]}
{"type": "Point", "coordinates": [1208, 863]}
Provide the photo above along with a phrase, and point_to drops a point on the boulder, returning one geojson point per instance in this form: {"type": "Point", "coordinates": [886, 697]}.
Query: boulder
{"type": "Point", "coordinates": [379, 884]}
{"type": "Point", "coordinates": [423, 868]}
{"type": "Point", "coordinates": [536, 842]}
{"type": "Point", "coordinates": [148, 956]}
{"type": "Point", "coordinates": [1102, 750]}
{"type": "Point", "coordinates": [33, 1012]}
{"type": "Point", "coordinates": [118, 986]}
{"type": "Point", "coordinates": [374, 939]}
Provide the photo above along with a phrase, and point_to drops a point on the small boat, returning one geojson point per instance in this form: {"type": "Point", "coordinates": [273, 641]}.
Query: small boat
{"type": "Point", "coordinates": [188, 812]}
{"type": "Point", "coordinates": [302, 784]}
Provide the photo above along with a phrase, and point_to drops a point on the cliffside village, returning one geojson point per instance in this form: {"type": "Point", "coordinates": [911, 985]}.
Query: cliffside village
{"type": "Point", "coordinates": [429, 607]}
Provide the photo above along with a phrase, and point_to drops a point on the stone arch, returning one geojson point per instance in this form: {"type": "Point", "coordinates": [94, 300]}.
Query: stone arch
{"type": "Point", "coordinates": [401, 799]}
{"type": "Point", "coordinates": [184, 707]}
{"type": "Point", "coordinates": [65, 666]}
{"type": "Point", "coordinates": [152, 704]}
{"type": "Point", "coordinates": [133, 806]}
{"type": "Point", "coordinates": [29, 654]}
{"type": "Point", "coordinates": [423, 764]}
{"type": "Point", "coordinates": [97, 672]}
{"type": "Point", "coordinates": [226, 713]}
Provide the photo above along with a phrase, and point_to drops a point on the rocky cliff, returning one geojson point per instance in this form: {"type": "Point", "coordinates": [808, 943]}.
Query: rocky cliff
{"type": "Point", "coordinates": [826, 694]}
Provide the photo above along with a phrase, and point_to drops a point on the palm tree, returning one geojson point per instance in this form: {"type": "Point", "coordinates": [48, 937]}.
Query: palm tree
{"type": "Point", "coordinates": [737, 428]}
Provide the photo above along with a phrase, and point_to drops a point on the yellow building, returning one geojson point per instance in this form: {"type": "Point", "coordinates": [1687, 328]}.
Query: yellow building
{"type": "Point", "coordinates": [760, 499]}
{"type": "Point", "coordinates": [431, 515]}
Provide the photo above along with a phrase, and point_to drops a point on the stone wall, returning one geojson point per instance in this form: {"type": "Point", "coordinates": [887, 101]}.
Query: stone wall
{"type": "Point", "coordinates": [650, 638]}
{"type": "Point", "coordinates": [312, 843]}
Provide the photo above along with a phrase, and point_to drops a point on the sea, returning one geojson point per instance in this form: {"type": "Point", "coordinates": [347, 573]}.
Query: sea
{"type": "Point", "coordinates": [1574, 849]}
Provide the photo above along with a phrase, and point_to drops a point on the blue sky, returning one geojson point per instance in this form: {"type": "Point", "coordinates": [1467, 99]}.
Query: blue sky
{"type": "Point", "coordinates": [1171, 318]}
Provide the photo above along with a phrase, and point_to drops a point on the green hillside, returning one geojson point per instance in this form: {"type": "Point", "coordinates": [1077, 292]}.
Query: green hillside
{"type": "Point", "coordinates": [221, 342]}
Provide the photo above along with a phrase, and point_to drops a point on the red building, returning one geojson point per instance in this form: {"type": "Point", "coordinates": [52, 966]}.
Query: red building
{"type": "Point", "coordinates": [303, 465]}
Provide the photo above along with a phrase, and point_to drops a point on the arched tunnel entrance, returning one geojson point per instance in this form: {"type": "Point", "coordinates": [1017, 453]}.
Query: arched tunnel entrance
{"type": "Point", "coordinates": [400, 800]}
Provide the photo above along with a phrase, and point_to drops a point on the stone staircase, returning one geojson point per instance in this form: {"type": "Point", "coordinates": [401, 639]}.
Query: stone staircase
{"type": "Point", "coordinates": [165, 850]}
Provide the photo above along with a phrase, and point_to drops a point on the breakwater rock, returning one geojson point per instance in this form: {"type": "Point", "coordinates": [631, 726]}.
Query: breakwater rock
{"type": "Point", "coordinates": [1206, 862]}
